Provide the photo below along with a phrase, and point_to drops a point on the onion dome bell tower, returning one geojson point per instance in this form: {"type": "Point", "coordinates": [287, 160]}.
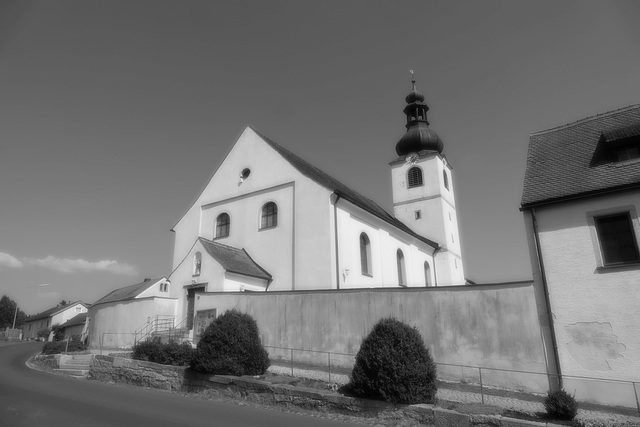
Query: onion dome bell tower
{"type": "Point", "coordinates": [419, 136]}
{"type": "Point", "coordinates": [423, 193]}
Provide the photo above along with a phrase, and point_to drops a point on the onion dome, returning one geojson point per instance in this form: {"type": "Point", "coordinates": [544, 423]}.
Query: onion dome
{"type": "Point", "coordinates": [419, 136]}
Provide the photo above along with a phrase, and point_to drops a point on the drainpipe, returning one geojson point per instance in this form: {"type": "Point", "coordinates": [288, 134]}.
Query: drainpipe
{"type": "Point", "coordinates": [435, 272]}
{"type": "Point", "coordinates": [543, 276]}
{"type": "Point", "coordinates": [335, 223]}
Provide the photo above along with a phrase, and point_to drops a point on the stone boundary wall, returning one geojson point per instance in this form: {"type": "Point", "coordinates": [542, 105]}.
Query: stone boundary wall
{"type": "Point", "coordinates": [148, 374]}
{"type": "Point", "coordinates": [491, 326]}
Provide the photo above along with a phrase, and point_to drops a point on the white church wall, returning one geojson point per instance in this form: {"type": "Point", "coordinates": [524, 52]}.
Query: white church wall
{"type": "Point", "coordinates": [271, 248]}
{"type": "Point", "coordinates": [385, 242]}
{"type": "Point", "coordinates": [240, 283]}
{"type": "Point", "coordinates": [296, 244]}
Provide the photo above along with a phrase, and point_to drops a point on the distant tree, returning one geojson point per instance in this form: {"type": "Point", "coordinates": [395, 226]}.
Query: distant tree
{"type": "Point", "coordinates": [7, 311]}
{"type": "Point", "coordinates": [63, 302]}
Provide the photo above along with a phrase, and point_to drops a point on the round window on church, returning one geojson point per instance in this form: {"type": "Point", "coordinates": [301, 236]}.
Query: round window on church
{"type": "Point", "coordinates": [245, 173]}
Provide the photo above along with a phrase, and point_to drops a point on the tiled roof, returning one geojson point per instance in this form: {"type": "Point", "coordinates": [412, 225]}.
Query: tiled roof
{"type": "Point", "coordinates": [52, 311]}
{"type": "Point", "coordinates": [234, 260]}
{"type": "Point", "coordinates": [561, 162]}
{"type": "Point", "coordinates": [76, 320]}
{"type": "Point", "coordinates": [342, 190]}
{"type": "Point", "coordinates": [128, 292]}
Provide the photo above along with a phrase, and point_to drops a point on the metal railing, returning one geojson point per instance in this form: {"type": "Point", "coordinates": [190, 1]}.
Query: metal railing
{"type": "Point", "coordinates": [486, 381]}
{"type": "Point", "coordinates": [155, 324]}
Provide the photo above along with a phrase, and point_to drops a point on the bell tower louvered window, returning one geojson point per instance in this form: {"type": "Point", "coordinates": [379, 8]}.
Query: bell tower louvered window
{"type": "Point", "coordinates": [414, 177]}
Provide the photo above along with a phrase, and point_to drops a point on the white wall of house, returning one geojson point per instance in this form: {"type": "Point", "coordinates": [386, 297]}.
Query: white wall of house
{"type": "Point", "coordinates": [68, 313]}
{"type": "Point", "coordinates": [595, 309]}
{"type": "Point", "coordinates": [30, 329]}
{"type": "Point", "coordinates": [112, 325]}
{"type": "Point", "coordinates": [157, 290]}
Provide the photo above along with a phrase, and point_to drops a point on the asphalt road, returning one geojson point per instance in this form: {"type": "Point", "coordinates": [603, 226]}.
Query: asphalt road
{"type": "Point", "coordinates": [34, 398]}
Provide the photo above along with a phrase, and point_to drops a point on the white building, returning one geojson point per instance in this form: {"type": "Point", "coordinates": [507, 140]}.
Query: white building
{"type": "Point", "coordinates": [581, 201]}
{"type": "Point", "coordinates": [269, 220]}
{"type": "Point", "coordinates": [54, 316]}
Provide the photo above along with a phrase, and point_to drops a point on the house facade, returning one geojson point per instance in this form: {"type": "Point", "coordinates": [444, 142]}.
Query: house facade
{"type": "Point", "coordinates": [269, 220]}
{"type": "Point", "coordinates": [126, 314]}
{"type": "Point", "coordinates": [581, 201]}
{"type": "Point", "coordinates": [54, 316]}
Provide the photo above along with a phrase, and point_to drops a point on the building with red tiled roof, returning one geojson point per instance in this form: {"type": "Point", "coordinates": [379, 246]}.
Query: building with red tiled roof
{"type": "Point", "coordinates": [581, 200]}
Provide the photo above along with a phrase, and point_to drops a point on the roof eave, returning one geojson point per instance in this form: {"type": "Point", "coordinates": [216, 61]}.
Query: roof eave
{"type": "Point", "coordinates": [585, 195]}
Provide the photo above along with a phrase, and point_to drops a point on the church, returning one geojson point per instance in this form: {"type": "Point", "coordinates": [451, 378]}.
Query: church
{"type": "Point", "coordinates": [269, 220]}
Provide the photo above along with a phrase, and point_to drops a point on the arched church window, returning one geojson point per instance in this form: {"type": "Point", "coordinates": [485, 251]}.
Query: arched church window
{"type": "Point", "coordinates": [365, 255]}
{"type": "Point", "coordinates": [445, 178]}
{"type": "Point", "coordinates": [427, 273]}
{"type": "Point", "coordinates": [197, 262]}
{"type": "Point", "coordinates": [402, 274]}
{"type": "Point", "coordinates": [223, 223]}
{"type": "Point", "coordinates": [269, 216]}
{"type": "Point", "coordinates": [414, 177]}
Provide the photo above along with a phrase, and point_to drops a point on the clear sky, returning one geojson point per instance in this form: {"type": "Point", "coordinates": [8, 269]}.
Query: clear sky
{"type": "Point", "coordinates": [114, 114]}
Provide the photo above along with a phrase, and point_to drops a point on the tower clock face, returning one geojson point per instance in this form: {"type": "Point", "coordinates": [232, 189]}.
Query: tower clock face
{"type": "Point", "coordinates": [411, 158]}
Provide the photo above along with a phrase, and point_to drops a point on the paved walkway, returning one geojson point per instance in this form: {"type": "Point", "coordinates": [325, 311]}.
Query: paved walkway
{"type": "Point", "coordinates": [589, 415]}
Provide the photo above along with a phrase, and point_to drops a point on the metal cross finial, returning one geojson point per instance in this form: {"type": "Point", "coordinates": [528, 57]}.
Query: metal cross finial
{"type": "Point", "coordinates": [413, 79]}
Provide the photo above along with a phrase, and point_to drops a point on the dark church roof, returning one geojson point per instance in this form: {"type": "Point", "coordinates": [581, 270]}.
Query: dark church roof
{"type": "Point", "coordinates": [342, 190]}
{"type": "Point", "coordinates": [570, 161]}
{"type": "Point", "coordinates": [128, 292]}
{"type": "Point", "coordinates": [234, 260]}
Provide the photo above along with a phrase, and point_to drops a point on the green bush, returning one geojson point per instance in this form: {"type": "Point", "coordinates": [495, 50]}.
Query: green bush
{"type": "Point", "coordinates": [170, 353]}
{"type": "Point", "coordinates": [58, 332]}
{"type": "Point", "coordinates": [57, 347]}
{"type": "Point", "coordinates": [231, 346]}
{"type": "Point", "coordinates": [393, 364]}
{"type": "Point", "coordinates": [561, 405]}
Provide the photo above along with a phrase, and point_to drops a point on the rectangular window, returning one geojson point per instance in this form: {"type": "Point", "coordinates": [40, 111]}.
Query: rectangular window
{"type": "Point", "coordinates": [617, 239]}
{"type": "Point", "coordinates": [627, 153]}
{"type": "Point", "coordinates": [418, 214]}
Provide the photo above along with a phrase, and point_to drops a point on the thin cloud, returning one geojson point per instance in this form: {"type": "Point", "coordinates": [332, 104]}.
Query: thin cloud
{"type": "Point", "coordinates": [10, 261]}
{"type": "Point", "coordinates": [66, 265]}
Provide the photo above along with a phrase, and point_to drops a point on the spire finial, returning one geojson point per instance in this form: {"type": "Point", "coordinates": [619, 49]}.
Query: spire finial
{"type": "Point", "coordinates": [413, 79]}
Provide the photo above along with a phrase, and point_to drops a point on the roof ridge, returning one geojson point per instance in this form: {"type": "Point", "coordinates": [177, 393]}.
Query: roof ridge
{"type": "Point", "coordinates": [586, 119]}
{"type": "Point", "coordinates": [338, 187]}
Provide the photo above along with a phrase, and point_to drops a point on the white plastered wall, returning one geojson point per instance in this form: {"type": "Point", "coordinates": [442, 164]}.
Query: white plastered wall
{"type": "Point", "coordinates": [595, 310]}
{"type": "Point", "coordinates": [385, 240]}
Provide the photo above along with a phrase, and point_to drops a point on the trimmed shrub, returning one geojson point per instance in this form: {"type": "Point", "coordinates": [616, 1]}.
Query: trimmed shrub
{"type": "Point", "coordinates": [561, 405]}
{"type": "Point", "coordinates": [231, 346]}
{"type": "Point", "coordinates": [393, 364]}
{"type": "Point", "coordinates": [170, 353]}
{"type": "Point", "coordinates": [57, 347]}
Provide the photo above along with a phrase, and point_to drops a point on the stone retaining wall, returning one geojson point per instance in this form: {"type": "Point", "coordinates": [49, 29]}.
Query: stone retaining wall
{"type": "Point", "coordinates": [137, 372]}
{"type": "Point", "coordinates": [147, 374]}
